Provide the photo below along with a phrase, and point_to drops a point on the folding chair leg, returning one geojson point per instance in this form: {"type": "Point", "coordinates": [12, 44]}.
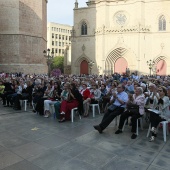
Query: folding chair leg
{"type": "Point", "coordinates": [99, 109]}
{"type": "Point", "coordinates": [164, 131]}
{"type": "Point", "coordinates": [93, 111]}
{"type": "Point", "coordinates": [137, 128]}
{"type": "Point", "coordinates": [72, 115]}
{"type": "Point", "coordinates": [25, 101]}
{"type": "Point", "coordinates": [149, 129]}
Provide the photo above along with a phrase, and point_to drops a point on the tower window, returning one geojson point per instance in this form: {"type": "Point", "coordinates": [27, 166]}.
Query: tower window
{"type": "Point", "coordinates": [84, 29]}
{"type": "Point", "coordinates": [162, 23]}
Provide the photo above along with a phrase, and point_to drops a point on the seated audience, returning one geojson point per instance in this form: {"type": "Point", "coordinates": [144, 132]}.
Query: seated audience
{"type": "Point", "coordinates": [71, 102]}
{"type": "Point", "coordinates": [119, 103]}
{"type": "Point", "coordinates": [137, 99]}
{"type": "Point", "coordinates": [52, 100]}
{"type": "Point", "coordinates": [92, 99]}
{"type": "Point", "coordinates": [163, 112]}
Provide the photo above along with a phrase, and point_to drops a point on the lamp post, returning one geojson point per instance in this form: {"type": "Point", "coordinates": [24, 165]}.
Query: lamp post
{"type": "Point", "coordinates": [49, 59]}
{"type": "Point", "coordinates": [91, 63]}
{"type": "Point", "coordinates": [150, 63]}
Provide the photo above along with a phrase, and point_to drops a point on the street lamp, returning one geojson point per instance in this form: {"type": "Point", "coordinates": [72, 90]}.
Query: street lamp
{"type": "Point", "coordinates": [49, 59]}
{"type": "Point", "coordinates": [150, 63]}
{"type": "Point", "coordinates": [91, 63]}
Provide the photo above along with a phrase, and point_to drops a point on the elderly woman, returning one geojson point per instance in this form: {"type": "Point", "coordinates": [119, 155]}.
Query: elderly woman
{"type": "Point", "coordinates": [93, 99]}
{"type": "Point", "coordinates": [163, 112]}
{"type": "Point", "coordinates": [138, 99]}
{"type": "Point", "coordinates": [72, 101]}
{"type": "Point", "coordinates": [64, 96]}
{"type": "Point", "coordinates": [52, 100]}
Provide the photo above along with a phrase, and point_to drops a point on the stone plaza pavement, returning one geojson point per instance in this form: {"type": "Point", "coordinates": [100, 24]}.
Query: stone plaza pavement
{"type": "Point", "coordinates": [31, 142]}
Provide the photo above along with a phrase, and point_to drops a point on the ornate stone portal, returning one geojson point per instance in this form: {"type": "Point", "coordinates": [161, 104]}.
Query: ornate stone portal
{"type": "Point", "coordinates": [121, 33]}
{"type": "Point", "coordinates": [23, 33]}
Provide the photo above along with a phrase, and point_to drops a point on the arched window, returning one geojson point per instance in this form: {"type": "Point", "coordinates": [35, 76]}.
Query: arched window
{"type": "Point", "coordinates": [162, 23]}
{"type": "Point", "coordinates": [84, 29]}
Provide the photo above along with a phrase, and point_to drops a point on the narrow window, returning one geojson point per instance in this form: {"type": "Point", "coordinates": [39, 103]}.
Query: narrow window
{"type": "Point", "coordinates": [84, 29]}
{"type": "Point", "coordinates": [162, 23]}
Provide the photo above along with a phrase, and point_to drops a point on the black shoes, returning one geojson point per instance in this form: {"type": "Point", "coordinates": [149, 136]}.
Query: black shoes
{"type": "Point", "coordinates": [97, 127]}
{"type": "Point", "coordinates": [133, 136]}
{"type": "Point", "coordinates": [62, 120]}
{"type": "Point", "coordinates": [16, 108]}
{"type": "Point", "coordinates": [118, 131]}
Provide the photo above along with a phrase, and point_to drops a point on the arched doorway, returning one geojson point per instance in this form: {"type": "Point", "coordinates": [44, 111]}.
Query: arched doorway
{"type": "Point", "coordinates": [116, 61]}
{"type": "Point", "coordinates": [84, 67]}
{"type": "Point", "coordinates": [120, 66]}
{"type": "Point", "coordinates": [161, 67]}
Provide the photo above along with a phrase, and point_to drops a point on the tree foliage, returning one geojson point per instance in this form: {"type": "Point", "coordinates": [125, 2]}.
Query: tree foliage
{"type": "Point", "coordinates": [58, 63]}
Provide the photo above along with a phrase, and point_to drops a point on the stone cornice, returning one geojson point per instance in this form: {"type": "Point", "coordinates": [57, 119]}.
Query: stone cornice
{"type": "Point", "coordinates": [105, 30]}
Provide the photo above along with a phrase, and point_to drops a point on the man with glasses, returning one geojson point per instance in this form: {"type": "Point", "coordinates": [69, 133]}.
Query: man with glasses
{"type": "Point", "coordinates": [119, 102]}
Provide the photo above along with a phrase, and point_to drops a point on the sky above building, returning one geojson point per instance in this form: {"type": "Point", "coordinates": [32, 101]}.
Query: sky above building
{"type": "Point", "coordinates": [61, 11]}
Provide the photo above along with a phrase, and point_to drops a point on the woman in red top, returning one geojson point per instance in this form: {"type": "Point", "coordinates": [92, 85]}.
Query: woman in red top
{"type": "Point", "coordinates": [85, 92]}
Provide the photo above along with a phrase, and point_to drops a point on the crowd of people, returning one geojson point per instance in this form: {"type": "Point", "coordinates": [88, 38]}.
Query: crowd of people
{"type": "Point", "coordinates": [125, 95]}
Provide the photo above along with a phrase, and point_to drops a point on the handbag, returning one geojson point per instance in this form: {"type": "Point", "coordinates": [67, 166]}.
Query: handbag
{"type": "Point", "coordinates": [133, 108]}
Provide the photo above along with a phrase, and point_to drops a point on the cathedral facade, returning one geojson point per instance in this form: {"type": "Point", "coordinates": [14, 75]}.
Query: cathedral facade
{"type": "Point", "coordinates": [119, 35]}
{"type": "Point", "coordinates": [23, 36]}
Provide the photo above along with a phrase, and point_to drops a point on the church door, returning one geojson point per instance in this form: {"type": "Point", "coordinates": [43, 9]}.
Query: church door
{"type": "Point", "coordinates": [120, 66]}
{"type": "Point", "coordinates": [84, 67]}
{"type": "Point", "coordinates": [161, 68]}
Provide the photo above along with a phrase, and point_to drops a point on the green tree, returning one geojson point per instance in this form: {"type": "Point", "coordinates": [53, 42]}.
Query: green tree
{"type": "Point", "coordinates": [58, 62]}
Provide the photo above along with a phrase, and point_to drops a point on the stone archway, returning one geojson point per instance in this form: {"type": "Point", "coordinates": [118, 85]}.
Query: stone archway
{"type": "Point", "coordinates": [84, 67]}
{"type": "Point", "coordinates": [78, 62]}
{"type": "Point", "coordinates": [114, 58]}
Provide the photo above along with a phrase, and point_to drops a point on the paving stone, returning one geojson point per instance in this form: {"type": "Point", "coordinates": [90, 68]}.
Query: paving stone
{"type": "Point", "coordinates": [8, 158]}
{"type": "Point", "coordinates": [119, 163]}
{"type": "Point", "coordinates": [162, 160]}
{"type": "Point", "coordinates": [28, 150]}
{"type": "Point", "coordinates": [65, 146]}
{"type": "Point", "coordinates": [72, 149]}
{"type": "Point", "coordinates": [50, 160]}
{"type": "Point", "coordinates": [23, 165]}
{"type": "Point", "coordinates": [96, 157]}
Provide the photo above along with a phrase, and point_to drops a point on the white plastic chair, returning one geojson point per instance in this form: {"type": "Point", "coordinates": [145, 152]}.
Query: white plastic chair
{"type": "Point", "coordinates": [93, 108]}
{"type": "Point", "coordinates": [137, 128]}
{"type": "Point", "coordinates": [73, 111]}
{"type": "Point", "coordinates": [52, 110]}
{"type": "Point", "coordinates": [164, 127]}
{"type": "Point", "coordinates": [25, 104]}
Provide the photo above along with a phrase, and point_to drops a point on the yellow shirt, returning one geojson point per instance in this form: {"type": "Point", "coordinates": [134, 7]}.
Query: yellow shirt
{"type": "Point", "coordinates": [2, 87]}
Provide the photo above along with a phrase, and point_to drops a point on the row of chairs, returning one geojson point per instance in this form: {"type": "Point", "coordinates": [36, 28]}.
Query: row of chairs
{"type": "Point", "coordinates": [75, 110]}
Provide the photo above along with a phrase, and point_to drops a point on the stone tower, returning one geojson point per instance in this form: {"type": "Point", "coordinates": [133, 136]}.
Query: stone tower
{"type": "Point", "coordinates": [23, 36]}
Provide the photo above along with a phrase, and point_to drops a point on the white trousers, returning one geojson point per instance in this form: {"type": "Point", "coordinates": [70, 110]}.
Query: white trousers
{"type": "Point", "coordinates": [47, 104]}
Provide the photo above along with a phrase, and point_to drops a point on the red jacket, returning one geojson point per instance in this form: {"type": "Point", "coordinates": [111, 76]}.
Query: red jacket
{"type": "Point", "coordinates": [85, 94]}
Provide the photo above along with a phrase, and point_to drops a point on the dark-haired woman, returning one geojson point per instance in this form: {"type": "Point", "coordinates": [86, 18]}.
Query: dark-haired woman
{"type": "Point", "coordinates": [72, 102]}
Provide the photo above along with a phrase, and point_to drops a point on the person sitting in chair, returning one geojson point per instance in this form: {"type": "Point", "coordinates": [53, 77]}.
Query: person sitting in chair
{"type": "Point", "coordinates": [119, 102]}
{"type": "Point", "coordinates": [138, 100]}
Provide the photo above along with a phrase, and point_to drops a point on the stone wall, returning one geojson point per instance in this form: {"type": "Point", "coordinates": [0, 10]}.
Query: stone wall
{"type": "Point", "coordinates": [23, 35]}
